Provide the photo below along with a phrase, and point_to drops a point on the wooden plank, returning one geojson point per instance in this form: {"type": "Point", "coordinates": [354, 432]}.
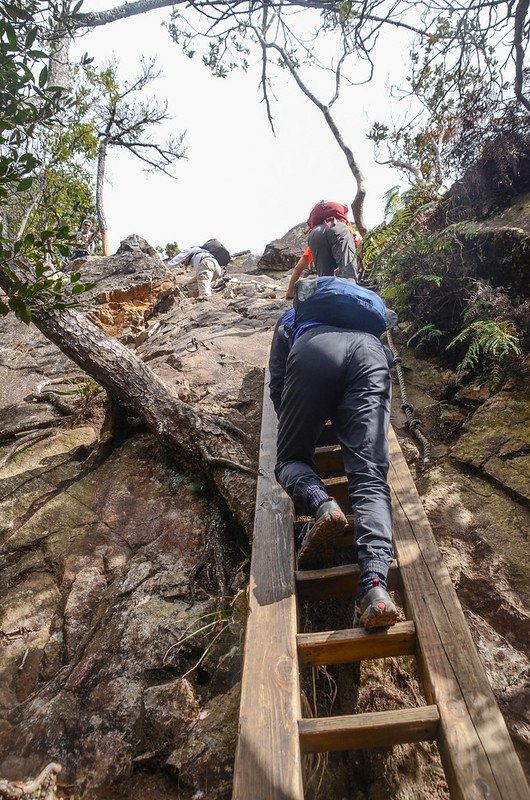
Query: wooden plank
{"type": "Point", "coordinates": [327, 436]}
{"type": "Point", "coordinates": [355, 644]}
{"type": "Point", "coordinates": [338, 488]}
{"type": "Point", "coordinates": [335, 582]}
{"type": "Point", "coordinates": [328, 461]}
{"type": "Point", "coordinates": [268, 760]}
{"type": "Point", "coordinates": [375, 729]}
{"type": "Point", "coordinates": [476, 749]}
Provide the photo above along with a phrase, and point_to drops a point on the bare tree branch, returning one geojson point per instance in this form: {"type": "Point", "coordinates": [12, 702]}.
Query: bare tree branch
{"type": "Point", "coordinates": [521, 13]}
{"type": "Point", "coordinates": [358, 202]}
{"type": "Point", "coordinates": [406, 165]}
{"type": "Point", "coordinates": [124, 124]}
{"type": "Point", "coordinates": [338, 78]}
{"type": "Point", "coordinates": [264, 79]}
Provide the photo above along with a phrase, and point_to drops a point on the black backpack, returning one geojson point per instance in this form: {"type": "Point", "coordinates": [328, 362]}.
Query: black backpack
{"type": "Point", "coordinates": [218, 251]}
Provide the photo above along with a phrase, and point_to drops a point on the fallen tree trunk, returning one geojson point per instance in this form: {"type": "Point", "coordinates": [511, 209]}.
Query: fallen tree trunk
{"type": "Point", "coordinates": [205, 443]}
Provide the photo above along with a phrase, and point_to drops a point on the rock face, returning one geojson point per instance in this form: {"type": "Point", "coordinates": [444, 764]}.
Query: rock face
{"type": "Point", "coordinates": [129, 286]}
{"type": "Point", "coordinates": [105, 666]}
{"type": "Point", "coordinates": [499, 247]}
{"type": "Point", "coordinates": [496, 442]}
{"type": "Point", "coordinates": [476, 503]}
{"type": "Point", "coordinates": [282, 254]}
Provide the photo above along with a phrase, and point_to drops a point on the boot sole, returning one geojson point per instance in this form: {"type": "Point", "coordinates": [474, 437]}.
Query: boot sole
{"type": "Point", "coordinates": [319, 547]}
{"type": "Point", "coordinates": [379, 619]}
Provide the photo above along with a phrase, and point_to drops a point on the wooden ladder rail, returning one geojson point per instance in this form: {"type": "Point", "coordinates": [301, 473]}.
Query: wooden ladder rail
{"type": "Point", "coordinates": [479, 760]}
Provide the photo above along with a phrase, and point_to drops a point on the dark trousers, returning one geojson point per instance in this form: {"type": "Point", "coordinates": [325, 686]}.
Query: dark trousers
{"type": "Point", "coordinates": [333, 247]}
{"type": "Point", "coordinates": [342, 376]}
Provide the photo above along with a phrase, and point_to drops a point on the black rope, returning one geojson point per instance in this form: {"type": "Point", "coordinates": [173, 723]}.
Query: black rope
{"type": "Point", "coordinates": [414, 425]}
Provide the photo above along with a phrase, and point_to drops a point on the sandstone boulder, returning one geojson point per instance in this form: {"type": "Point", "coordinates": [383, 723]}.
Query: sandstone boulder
{"type": "Point", "coordinates": [282, 254]}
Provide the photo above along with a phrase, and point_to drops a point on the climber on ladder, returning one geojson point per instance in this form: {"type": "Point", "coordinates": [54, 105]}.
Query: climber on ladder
{"type": "Point", "coordinates": [332, 244]}
{"type": "Point", "coordinates": [328, 363]}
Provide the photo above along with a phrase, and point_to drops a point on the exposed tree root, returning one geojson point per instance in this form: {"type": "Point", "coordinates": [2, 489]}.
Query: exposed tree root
{"type": "Point", "coordinates": [43, 787]}
{"type": "Point", "coordinates": [22, 443]}
{"type": "Point", "coordinates": [29, 427]}
{"type": "Point", "coordinates": [211, 555]}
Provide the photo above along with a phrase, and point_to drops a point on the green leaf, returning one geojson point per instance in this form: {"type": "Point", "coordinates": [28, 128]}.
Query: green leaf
{"type": "Point", "coordinates": [43, 77]}
{"type": "Point", "coordinates": [10, 274]}
{"type": "Point", "coordinates": [30, 38]}
{"type": "Point", "coordinates": [4, 309]}
{"type": "Point", "coordinates": [10, 33]}
{"type": "Point", "coordinates": [24, 184]}
{"type": "Point", "coordinates": [78, 288]}
{"type": "Point", "coordinates": [24, 313]}
{"type": "Point", "coordinates": [74, 277]}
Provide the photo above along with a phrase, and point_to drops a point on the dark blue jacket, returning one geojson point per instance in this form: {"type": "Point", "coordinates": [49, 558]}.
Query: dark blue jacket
{"type": "Point", "coordinates": [282, 341]}
{"type": "Point", "coordinates": [280, 347]}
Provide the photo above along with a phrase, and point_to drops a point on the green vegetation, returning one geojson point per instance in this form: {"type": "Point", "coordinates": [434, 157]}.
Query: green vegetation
{"type": "Point", "coordinates": [490, 343]}
{"type": "Point", "coordinates": [31, 250]}
{"type": "Point", "coordinates": [437, 280]}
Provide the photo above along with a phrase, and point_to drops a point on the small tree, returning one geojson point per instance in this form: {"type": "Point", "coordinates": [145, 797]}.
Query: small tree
{"type": "Point", "coordinates": [124, 121]}
{"type": "Point", "coordinates": [29, 108]}
{"type": "Point", "coordinates": [62, 186]}
{"type": "Point", "coordinates": [447, 90]}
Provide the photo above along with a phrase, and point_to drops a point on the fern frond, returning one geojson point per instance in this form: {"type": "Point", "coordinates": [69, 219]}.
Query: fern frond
{"type": "Point", "coordinates": [489, 340]}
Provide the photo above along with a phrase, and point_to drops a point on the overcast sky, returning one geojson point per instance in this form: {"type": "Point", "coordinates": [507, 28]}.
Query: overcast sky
{"type": "Point", "coordinates": [240, 183]}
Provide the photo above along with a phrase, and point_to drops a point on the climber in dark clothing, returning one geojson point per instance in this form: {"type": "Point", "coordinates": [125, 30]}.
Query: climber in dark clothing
{"type": "Point", "coordinates": [332, 245]}
{"type": "Point", "coordinates": [320, 373]}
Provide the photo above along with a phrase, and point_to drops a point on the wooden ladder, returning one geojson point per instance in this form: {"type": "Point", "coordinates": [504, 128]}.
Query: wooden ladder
{"type": "Point", "coordinates": [462, 716]}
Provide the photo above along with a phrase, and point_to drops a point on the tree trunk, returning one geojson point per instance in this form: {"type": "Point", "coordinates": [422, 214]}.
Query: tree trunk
{"type": "Point", "coordinates": [521, 12]}
{"type": "Point", "coordinates": [102, 222]}
{"type": "Point", "coordinates": [59, 74]}
{"type": "Point", "coordinates": [37, 188]}
{"type": "Point", "coordinates": [357, 206]}
{"type": "Point", "coordinates": [203, 442]}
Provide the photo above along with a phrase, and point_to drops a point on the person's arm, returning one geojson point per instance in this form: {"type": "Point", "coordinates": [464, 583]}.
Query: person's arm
{"type": "Point", "coordinates": [302, 264]}
{"type": "Point", "coordinates": [278, 359]}
{"type": "Point", "coordinates": [182, 258]}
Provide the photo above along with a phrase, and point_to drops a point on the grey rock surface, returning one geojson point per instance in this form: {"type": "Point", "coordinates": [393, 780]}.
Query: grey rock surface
{"type": "Point", "coordinates": [283, 253]}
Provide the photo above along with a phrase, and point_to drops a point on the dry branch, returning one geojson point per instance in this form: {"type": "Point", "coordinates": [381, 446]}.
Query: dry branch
{"type": "Point", "coordinates": [46, 781]}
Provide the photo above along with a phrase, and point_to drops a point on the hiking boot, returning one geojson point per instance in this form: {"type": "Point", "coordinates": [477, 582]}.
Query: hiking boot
{"type": "Point", "coordinates": [376, 609]}
{"type": "Point", "coordinates": [318, 535]}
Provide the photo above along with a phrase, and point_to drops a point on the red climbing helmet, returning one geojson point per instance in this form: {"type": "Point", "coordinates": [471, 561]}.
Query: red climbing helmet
{"type": "Point", "coordinates": [326, 210]}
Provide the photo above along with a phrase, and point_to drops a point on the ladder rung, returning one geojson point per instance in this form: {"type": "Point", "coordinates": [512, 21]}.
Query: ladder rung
{"type": "Point", "coordinates": [328, 460]}
{"type": "Point", "coordinates": [375, 729]}
{"type": "Point", "coordinates": [335, 582]}
{"type": "Point", "coordinates": [338, 488]}
{"type": "Point", "coordinates": [355, 644]}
